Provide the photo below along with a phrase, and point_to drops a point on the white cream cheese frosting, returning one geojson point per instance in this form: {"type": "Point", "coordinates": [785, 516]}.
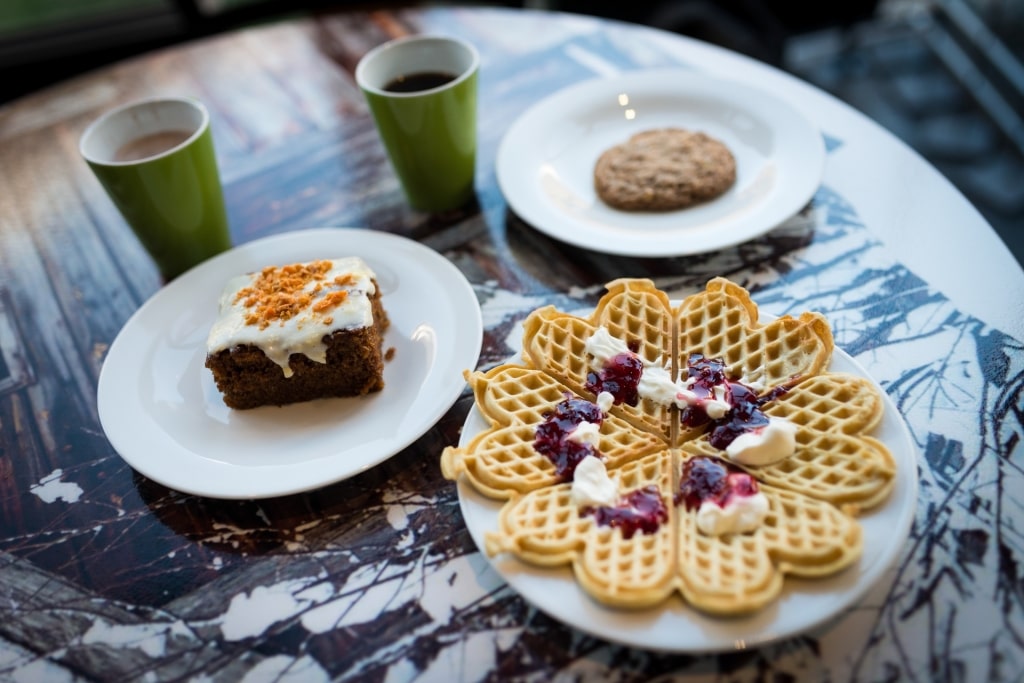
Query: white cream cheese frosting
{"type": "Point", "coordinates": [290, 309]}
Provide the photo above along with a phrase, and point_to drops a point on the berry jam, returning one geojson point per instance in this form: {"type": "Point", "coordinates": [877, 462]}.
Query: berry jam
{"type": "Point", "coordinates": [620, 377]}
{"type": "Point", "coordinates": [704, 374]}
{"type": "Point", "coordinates": [745, 414]}
{"type": "Point", "coordinates": [640, 510]}
{"type": "Point", "coordinates": [712, 479]}
{"type": "Point", "coordinates": [707, 373]}
{"type": "Point", "coordinates": [552, 436]}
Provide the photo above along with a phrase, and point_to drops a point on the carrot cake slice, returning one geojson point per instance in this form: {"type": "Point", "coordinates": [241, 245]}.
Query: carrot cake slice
{"type": "Point", "coordinates": [298, 332]}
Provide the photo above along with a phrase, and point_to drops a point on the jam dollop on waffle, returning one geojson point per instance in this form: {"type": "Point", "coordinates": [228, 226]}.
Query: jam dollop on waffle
{"type": "Point", "coordinates": [620, 377]}
{"type": "Point", "coordinates": [641, 510]}
{"type": "Point", "coordinates": [710, 479]}
{"type": "Point", "coordinates": [554, 435]}
{"type": "Point", "coordinates": [664, 409]}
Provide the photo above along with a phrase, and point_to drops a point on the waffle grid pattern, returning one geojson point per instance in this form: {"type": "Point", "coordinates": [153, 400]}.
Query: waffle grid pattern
{"type": "Point", "coordinates": [838, 470]}
{"type": "Point", "coordinates": [501, 461]}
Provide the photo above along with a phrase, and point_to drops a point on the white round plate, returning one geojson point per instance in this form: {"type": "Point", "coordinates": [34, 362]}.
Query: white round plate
{"type": "Point", "coordinates": [545, 163]}
{"type": "Point", "coordinates": [675, 627]}
{"type": "Point", "coordinates": [163, 414]}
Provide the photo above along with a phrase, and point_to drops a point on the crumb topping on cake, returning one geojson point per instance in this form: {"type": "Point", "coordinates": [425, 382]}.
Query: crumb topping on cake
{"type": "Point", "coordinates": [282, 292]}
{"type": "Point", "coordinates": [289, 309]}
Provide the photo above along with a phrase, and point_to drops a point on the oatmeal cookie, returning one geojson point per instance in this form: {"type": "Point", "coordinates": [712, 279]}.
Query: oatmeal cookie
{"type": "Point", "coordinates": [663, 170]}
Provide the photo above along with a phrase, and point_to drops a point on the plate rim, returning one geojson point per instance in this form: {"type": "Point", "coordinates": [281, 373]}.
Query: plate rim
{"type": "Point", "coordinates": [742, 628]}
{"type": "Point", "coordinates": [446, 390]}
{"type": "Point", "coordinates": [566, 228]}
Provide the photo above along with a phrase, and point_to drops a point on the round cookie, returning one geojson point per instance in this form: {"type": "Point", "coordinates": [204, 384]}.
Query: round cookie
{"type": "Point", "coordinates": [662, 170]}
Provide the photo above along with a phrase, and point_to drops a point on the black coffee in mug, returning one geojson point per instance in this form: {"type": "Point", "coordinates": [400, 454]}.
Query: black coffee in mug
{"type": "Point", "coordinates": [424, 80]}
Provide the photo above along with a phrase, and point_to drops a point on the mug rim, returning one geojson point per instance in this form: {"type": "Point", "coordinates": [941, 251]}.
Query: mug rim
{"type": "Point", "coordinates": [105, 117]}
{"type": "Point", "coordinates": [376, 51]}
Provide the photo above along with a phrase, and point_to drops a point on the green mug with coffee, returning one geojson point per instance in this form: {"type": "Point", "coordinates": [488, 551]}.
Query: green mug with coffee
{"type": "Point", "coordinates": [155, 158]}
{"type": "Point", "coordinates": [422, 93]}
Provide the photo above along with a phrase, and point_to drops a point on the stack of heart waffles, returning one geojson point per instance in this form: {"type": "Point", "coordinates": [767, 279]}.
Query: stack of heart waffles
{"type": "Point", "coordinates": [658, 449]}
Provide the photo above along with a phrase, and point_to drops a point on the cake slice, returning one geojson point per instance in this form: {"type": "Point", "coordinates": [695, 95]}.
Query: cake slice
{"type": "Point", "coordinates": [298, 332]}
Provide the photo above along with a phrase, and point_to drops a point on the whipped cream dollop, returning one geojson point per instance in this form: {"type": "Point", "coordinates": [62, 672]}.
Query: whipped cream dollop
{"type": "Point", "coordinates": [602, 347]}
{"type": "Point", "coordinates": [765, 445]}
{"type": "Point", "coordinates": [754, 385]}
{"type": "Point", "coordinates": [289, 309]}
{"type": "Point", "coordinates": [585, 432]}
{"type": "Point", "coordinates": [740, 515]}
{"type": "Point", "coordinates": [591, 485]}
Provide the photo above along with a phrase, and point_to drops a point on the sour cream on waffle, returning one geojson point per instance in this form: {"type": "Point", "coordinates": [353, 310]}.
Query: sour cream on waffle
{"type": "Point", "coordinates": [774, 442]}
{"type": "Point", "coordinates": [591, 485]}
{"type": "Point", "coordinates": [742, 514]}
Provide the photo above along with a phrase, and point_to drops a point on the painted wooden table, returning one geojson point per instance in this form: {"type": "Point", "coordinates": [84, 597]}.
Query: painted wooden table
{"type": "Point", "coordinates": [108, 575]}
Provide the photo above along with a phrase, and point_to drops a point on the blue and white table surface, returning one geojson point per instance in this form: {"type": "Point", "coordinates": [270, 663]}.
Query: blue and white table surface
{"type": "Point", "coordinates": [107, 575]}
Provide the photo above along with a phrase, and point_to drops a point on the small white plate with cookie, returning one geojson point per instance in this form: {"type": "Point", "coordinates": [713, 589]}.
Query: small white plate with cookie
{"type": "Point", "coordinates": [548, 164]}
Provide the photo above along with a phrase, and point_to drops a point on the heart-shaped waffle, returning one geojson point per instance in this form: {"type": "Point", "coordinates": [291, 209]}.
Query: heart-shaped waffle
{"type": "Point", "coordinates": [545, 527]}
{"type": "Point", "coordinates": [634, 312]}
{"type": "Point", "coordinates": [503, 459]}
{"type": "Point", "coordinates": [741, 573]}
{"type": "Point", "coordinates": [722, 322]}
{"type": "Point", "coordinates": [834, 460]}
{"type": "Point", "coordinates": [734, 574]}
{"type": "Point", "coordinates": [718, 357]}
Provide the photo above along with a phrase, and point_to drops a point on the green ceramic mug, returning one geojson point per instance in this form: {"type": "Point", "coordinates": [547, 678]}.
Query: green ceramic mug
{"type": "Point", "coordinates": [421, 91]}
{"type": "Point", "coordinates": [155, 158]}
